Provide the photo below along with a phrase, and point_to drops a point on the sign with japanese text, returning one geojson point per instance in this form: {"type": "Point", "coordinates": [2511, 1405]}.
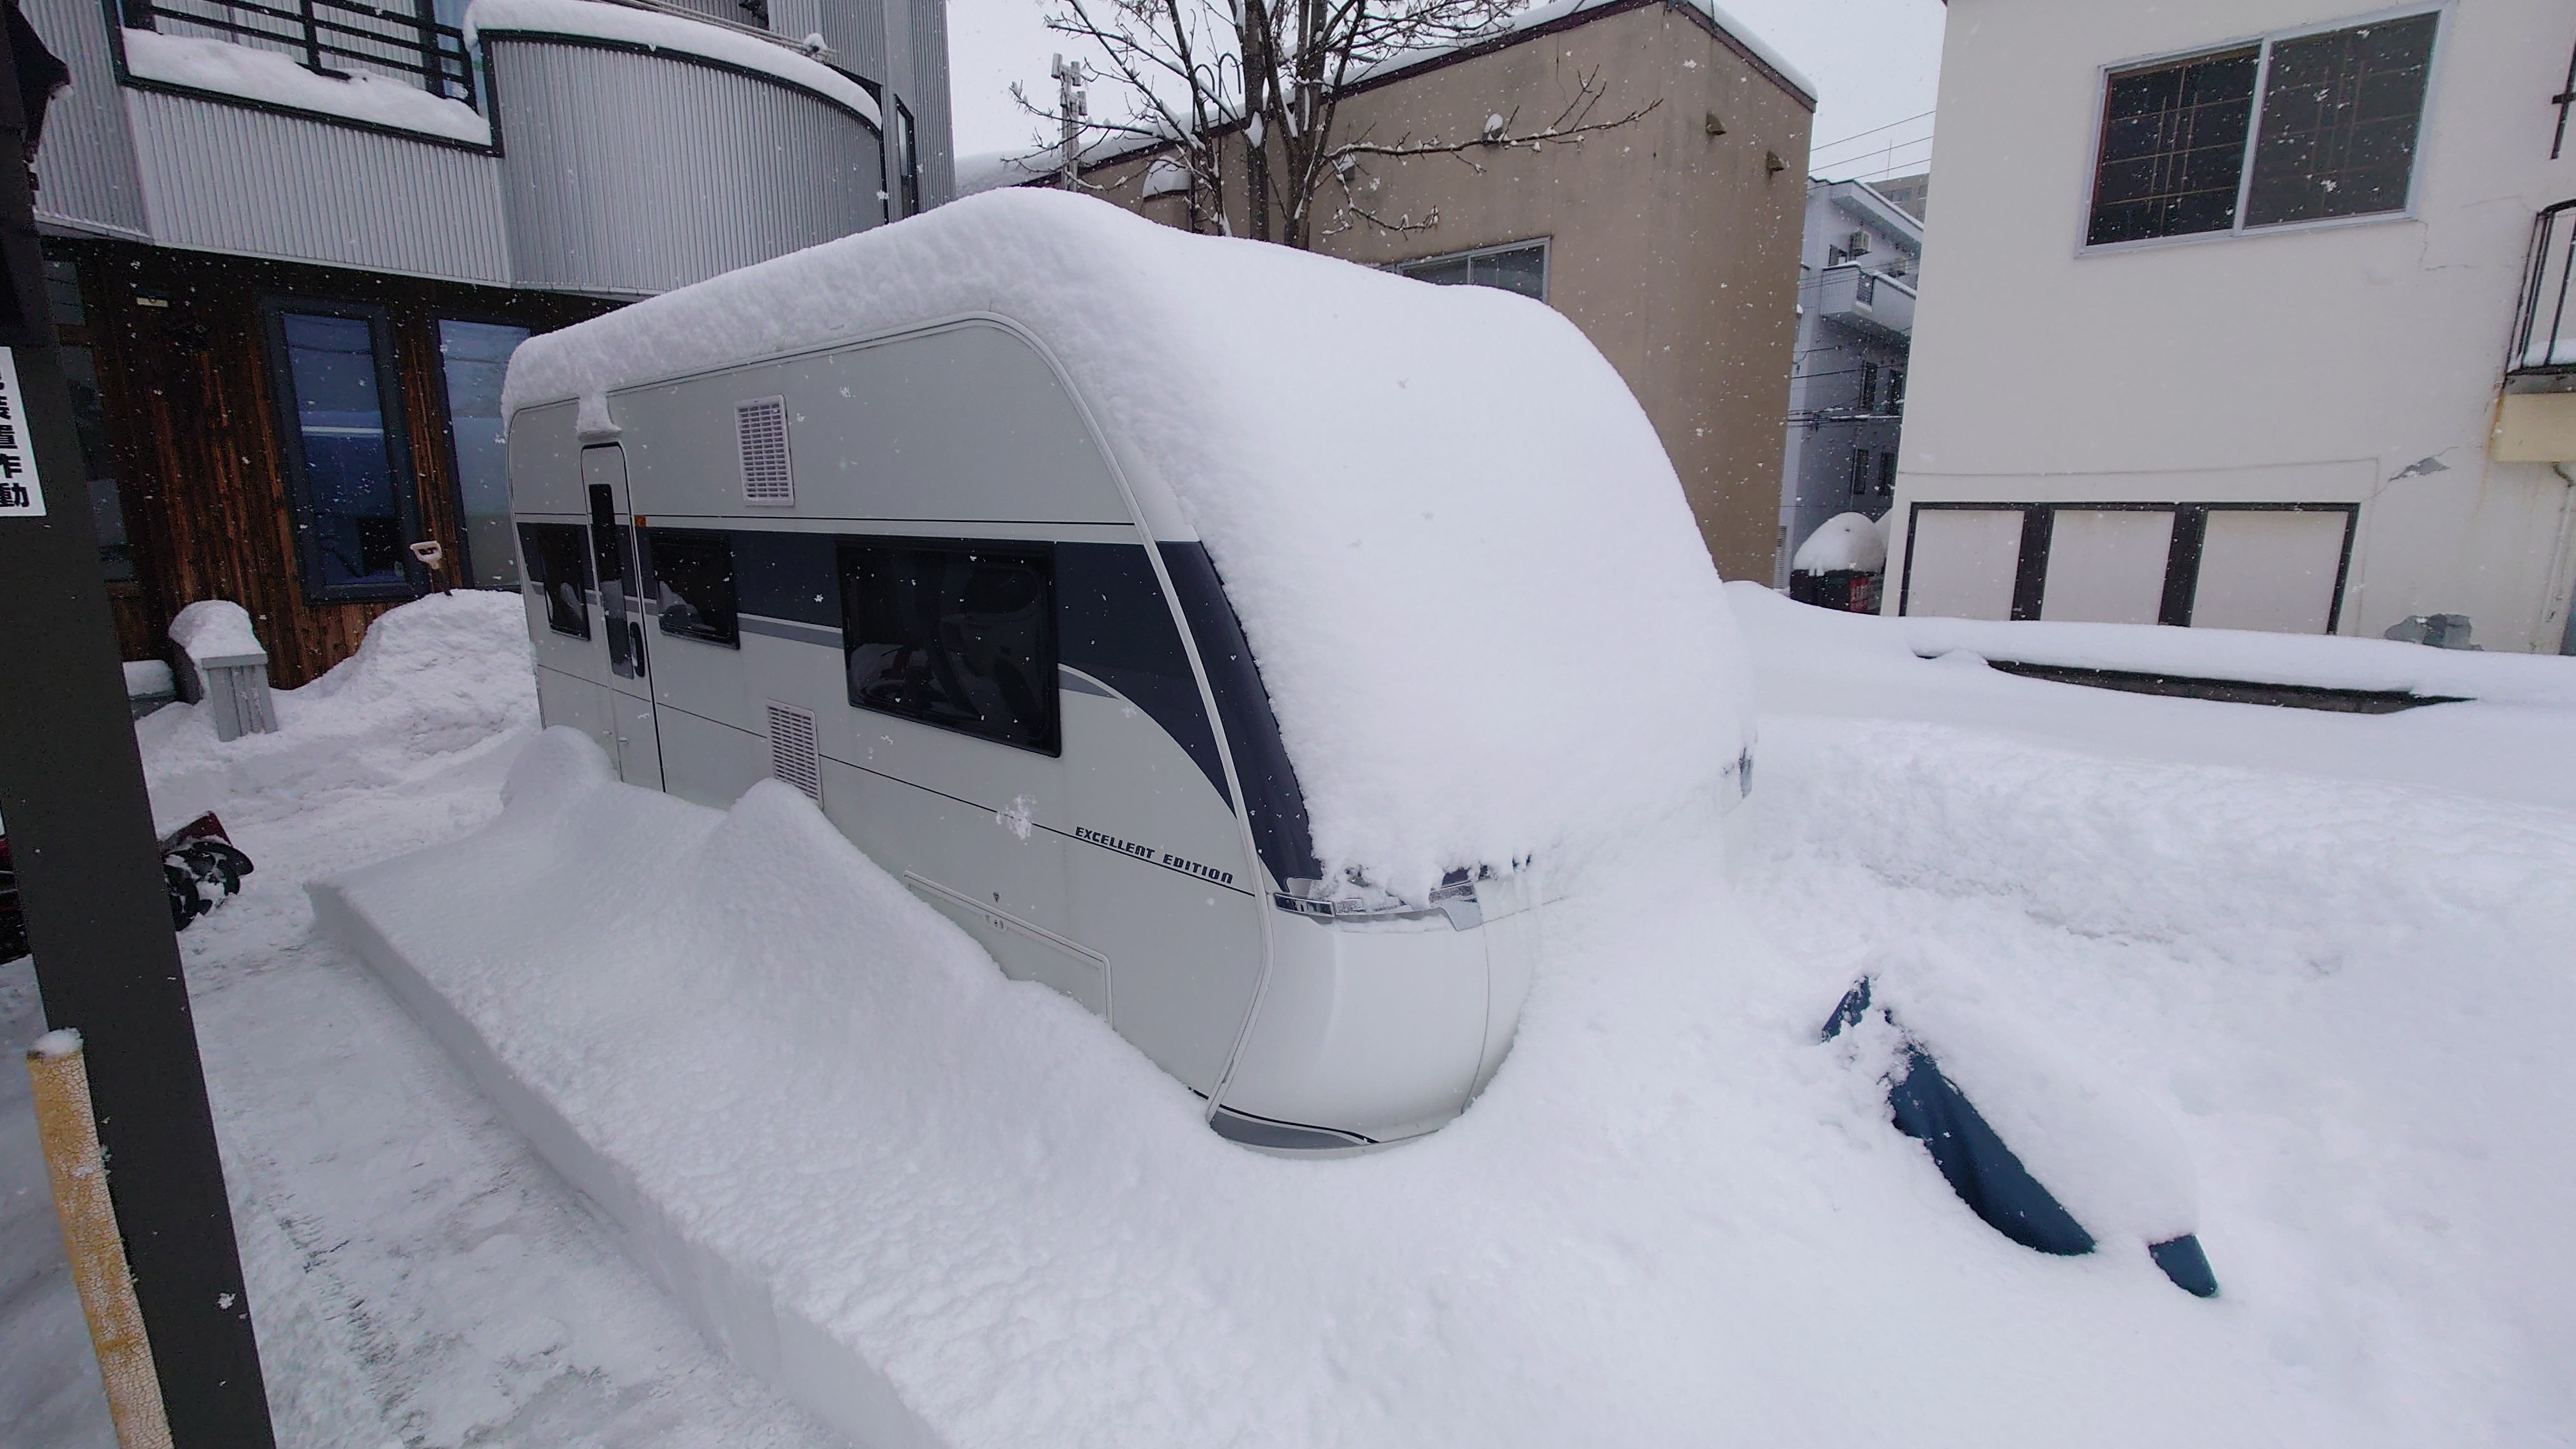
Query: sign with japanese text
{"type": "Point", "coordinates": [21, 494]}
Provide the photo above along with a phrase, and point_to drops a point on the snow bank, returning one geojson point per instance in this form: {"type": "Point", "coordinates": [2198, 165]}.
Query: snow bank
{"type": "Point", "coordinates": [1844, 541]}
{"type": "Point", "coordinates": [664, 30]}
{"type": "Point", "coordinates": [274, 77]}
{"type": "Point", "coordinates": [215, 629]}
{"type": "Point", "coordinates": [1480, 604]}
{"type": "Point", "coordinates": [438, 675]}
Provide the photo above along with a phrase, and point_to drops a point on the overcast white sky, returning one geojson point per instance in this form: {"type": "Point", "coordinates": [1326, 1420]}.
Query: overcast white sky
{"type": "Point", "coordinates": [1876, 63]}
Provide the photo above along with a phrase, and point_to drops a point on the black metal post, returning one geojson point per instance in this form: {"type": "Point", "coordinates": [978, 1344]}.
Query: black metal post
{"type": "Point", "coordinates": [89, 869]}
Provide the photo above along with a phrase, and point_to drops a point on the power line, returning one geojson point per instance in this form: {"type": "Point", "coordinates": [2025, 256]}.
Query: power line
{"type": "Point", "coordinates": [1872, 131]}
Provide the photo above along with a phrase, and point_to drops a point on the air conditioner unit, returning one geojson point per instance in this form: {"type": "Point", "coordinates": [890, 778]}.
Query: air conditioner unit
{"type": "Point", "coordinates": [1859, 244]}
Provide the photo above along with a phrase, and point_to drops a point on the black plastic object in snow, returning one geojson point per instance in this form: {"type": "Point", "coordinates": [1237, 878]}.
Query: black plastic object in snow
{"type": "Point", "coordinates": [199, 866]}
{"type": "Point", "coordinates": [1983, 1171]}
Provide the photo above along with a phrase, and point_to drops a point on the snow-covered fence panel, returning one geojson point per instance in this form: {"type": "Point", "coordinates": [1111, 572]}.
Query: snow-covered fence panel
{"type": "Point", "coordinates": [223, 667]}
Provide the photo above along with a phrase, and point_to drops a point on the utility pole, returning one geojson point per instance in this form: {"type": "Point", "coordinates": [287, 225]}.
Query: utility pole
{"type": "Point", "coordinates": [1071, 106]}
{"type": "Point", "coordinates": [88, 861]}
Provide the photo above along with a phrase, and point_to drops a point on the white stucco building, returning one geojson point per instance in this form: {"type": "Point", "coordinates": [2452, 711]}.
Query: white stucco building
{"type": "Point", "coordinates": [2222, 313]}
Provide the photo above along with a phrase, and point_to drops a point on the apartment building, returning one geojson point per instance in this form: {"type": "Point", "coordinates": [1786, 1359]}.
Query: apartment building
{"type": "Point", "coordinates": [2247, 314]}
{"type": "Point", "coordinates": [1861, 255]}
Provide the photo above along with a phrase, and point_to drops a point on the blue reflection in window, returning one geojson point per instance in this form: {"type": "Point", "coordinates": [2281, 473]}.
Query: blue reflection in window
{"type": "Point", "coordinates": [354, 508]}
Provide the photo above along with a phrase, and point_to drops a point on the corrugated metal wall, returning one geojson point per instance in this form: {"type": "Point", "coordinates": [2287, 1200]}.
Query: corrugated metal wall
{"type": "Point", "coordinates": [224, 178]}
{"type": "Point", "coordinates": [929, 98]}
{"type": "Point", "coordinates": [87, 164]}
{"type": "Point", "coordinates": [625, 173]}
{"type": "Point", "coordinates": [856, 31]}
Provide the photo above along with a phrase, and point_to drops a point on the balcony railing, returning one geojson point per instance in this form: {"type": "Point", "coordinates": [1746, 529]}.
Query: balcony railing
{"type": "Point", "coordinates": [330, 37]}
{"type": "Point", "coordinates": [2545, 337]}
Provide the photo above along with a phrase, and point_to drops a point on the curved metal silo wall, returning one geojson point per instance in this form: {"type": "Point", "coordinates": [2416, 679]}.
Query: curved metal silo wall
{"type": "Point", "coordinates": [625, 173]}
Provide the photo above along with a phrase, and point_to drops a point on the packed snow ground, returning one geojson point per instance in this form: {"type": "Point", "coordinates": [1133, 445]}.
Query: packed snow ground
{"type": "Point", "coordinates": [2328, 950]}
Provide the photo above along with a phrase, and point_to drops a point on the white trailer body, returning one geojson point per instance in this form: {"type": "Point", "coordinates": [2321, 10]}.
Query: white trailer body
{"type": "Point", "coordinates": [700, 594]}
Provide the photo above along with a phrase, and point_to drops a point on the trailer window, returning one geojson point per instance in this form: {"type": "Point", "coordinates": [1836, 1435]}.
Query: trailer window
{"type": "Point", "coordinates": [558, 560]}
{"type": "Point", "coordinates": [693, 584]}
{"type": "Point", "coordinates": [958, 635]}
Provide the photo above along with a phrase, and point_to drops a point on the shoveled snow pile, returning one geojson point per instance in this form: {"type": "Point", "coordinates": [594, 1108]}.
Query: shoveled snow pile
{"type": "Point", "coordinates": [438, 675]}
{"type": "Point", "coordinates": [267, 75]}
{"type": "Point", "coordinates": [1444, 520]}
{"type": "Point", "coordinates": [2319, 1020]}
{"type": "Point", "coordinates": [1844, 541]}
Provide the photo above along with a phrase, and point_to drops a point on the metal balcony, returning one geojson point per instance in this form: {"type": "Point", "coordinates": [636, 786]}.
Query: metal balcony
{"type": "Point", "coordinates": [1866, 301]}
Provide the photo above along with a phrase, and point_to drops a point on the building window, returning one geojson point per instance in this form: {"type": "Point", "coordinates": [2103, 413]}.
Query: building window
{"type": "Point", "coordinates": [1520, 267]}
{"type": "Point", "coordinates": [348, 464]}
{"type": "Point", "coordinates": [1867, 395]}
{"type": "Point", "coordinates": [693, 584]}
{"type": "Point", "coordinates": [907, 162]}
{"type": "Point", "coordinates": [89, 417]}
{"type": "Point", "coordinates": [957, 635]}
{"type": "Point", "coordinates": [1860, 473]}
{"type": "Point", "coordinates": [1895, 389]}
{"type": "Point", "coordinates": [1887, 474]}
{"type": "Point", "coordinates": [472, 358]}
{"type": "Point", "coordinates": [559, 565]}
{"type": "Point", "coordinates": [2186, 150]}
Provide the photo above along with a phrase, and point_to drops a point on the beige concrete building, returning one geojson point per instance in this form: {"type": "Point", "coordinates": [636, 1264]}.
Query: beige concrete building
{"type": "Point", "coordinates": [1672, 241]}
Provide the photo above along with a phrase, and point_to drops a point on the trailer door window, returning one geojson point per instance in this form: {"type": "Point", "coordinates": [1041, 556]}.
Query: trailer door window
{"type": "Point", "coordinates": [692, 577]}
{"type": "Point", "coordinates": [959, 635]}
{"type": "Point", "coordinates": [559, 565]}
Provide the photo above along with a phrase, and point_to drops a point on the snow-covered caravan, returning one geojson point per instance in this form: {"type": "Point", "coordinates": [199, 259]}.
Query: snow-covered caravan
{"type": "Point", "coordinates": [1217, 633]}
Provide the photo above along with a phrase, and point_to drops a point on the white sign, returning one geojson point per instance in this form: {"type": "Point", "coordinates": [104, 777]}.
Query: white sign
{"type": "Point", "coordinates": [21, 494]}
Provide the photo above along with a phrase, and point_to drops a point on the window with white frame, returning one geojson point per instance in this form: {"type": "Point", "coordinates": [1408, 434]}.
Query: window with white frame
{"type": "Point", "coordinates": [2305, 126]}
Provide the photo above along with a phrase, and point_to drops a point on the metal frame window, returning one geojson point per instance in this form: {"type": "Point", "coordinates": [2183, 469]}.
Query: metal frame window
{"type": "Point", "coordinates": [958, 634]}
{"type": "Point", "coordinates": [2315, 126]}
{"type": "Point", "coordinates": [342, 435]}
{"type": "Point", "coordinates": [469, 401]}
{"type": "Point", "coordinates": [1519, 267]}
{"type": "Point", "coordinates": [906, 140]}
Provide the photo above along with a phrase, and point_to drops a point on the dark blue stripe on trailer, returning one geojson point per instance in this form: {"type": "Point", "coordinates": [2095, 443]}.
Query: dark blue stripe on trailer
{"type": "Point", "coordinates": [1272, 799]}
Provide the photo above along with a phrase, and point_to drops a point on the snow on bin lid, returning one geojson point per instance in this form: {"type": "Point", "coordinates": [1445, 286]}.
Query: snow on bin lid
{"type": "Point", "coordinates": [1844, 541]}
{"type": "Point", "coordinates": [216, 631]}
{"type": "Point", "coordinates": [1478, 599]}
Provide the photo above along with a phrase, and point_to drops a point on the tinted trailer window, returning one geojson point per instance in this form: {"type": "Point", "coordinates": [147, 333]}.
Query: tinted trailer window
{"type": "Point", "coordinates": [957, 635]}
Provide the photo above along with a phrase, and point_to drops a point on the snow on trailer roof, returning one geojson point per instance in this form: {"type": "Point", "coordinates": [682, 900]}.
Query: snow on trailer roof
{"type": "Point", "coordinates": [1478, 599]}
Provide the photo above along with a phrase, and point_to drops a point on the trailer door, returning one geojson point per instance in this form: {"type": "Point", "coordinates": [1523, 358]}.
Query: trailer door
{"type": "Point", "coordinates": [621, 609]}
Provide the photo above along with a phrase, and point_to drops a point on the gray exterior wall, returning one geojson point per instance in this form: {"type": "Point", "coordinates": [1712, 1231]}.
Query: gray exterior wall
{"type": "Point", "coordinates": [615, 171]}
{"type": "Point", "coordinates": [632, 173]}
{"type": "Point", "coordinates": [254, 183]}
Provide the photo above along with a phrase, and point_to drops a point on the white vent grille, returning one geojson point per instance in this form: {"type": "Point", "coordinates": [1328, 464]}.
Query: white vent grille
{"type": "Point", "coordinates": [791, 750]}
{"type": "Point", "coordinates": [760, 426]}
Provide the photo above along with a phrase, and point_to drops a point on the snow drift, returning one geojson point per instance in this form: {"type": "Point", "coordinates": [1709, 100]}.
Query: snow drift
{"type": "Point", "coordinates": [1477, 597]}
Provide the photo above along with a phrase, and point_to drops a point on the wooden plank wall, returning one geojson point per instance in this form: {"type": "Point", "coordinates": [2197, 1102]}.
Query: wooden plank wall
{"type": "Point", "coordinates": [191, 417]}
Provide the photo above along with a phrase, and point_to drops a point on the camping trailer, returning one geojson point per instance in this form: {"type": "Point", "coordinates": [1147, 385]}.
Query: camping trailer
{"type": "Point", "coordinates": [915, 572]}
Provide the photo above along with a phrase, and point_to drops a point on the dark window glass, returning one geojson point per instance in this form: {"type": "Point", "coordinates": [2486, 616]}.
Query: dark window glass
{"type": "Point", "coordinates": [1519, 269]}
{"type": "Point", "coordinates": [1860, 471]}
{"type": "Point", "coordinates": [693, 584]}
{"type": "Point", "coordinates": [1887, 475]}
{"type": "Point", "coordinates": [1895, 388]}
{"type": "Point", "coordinates": [1868, 386]}
{"type": "Point", "coordinates": [354, 511]}
{"type": "Point", "coordinates": [473, 356]}
{"type": "Point", "coordinates": [1522, 270]}
{"type": "Point", "coordinates": [2340, 113]}
{"type": "Point", "coordinates": [2173, 148]}
{"type": "Point", "coordinates": [958, 635]}
{"type": "Point", "coordinates": [907, 161]}
{"type": "Point", "coordinates": [89, 424]}
{"type": "Point", "coordinates": [559, 565]}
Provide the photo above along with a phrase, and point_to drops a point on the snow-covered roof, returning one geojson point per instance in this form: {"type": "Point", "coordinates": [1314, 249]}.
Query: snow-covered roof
{"type": "Point", "coordinates": [661, 29]}
{"type": "Point", "coordinates": [266, 75]}
{"type": "Point", "coordinates": [1478, 599]}
{"type": "Point", "coordinates": [992, 170]}
{"type": "Point", "coordinates": [1539, 16]}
